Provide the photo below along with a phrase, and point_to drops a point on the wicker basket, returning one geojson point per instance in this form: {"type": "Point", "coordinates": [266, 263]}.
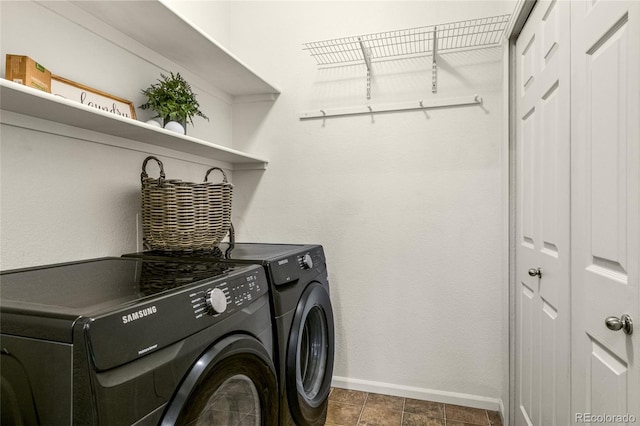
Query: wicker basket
{"type": "Point", "coordinates": [184, 216]}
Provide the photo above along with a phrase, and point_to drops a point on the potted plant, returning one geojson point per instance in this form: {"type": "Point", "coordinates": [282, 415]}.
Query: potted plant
{"type": "Point", "coordinates": [173, 101]}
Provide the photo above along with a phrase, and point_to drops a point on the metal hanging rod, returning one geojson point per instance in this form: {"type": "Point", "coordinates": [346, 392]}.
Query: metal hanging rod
{"type": "Point", "coordinates": [481, 32]}
{"type": "Point", "coordinates": [404, 106]}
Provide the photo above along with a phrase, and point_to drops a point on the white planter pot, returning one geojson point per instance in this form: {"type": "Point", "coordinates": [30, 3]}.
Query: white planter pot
{"type": "Point", "coordinates": [156, 122]}
{"type": "Point", "coordinates": [174, 126]}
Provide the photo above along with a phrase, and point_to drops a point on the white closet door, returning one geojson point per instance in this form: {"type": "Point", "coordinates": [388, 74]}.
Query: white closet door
{"type": "Point", "coordinates": [605, 126]}
{"type": "Point", "coordinates": [543, 214]}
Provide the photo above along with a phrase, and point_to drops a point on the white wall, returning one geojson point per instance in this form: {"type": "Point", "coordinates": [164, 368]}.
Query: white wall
{"type": "Point", "coordinates": [409, 206]}
{"type": "Point", "coordinates": [68, 194]}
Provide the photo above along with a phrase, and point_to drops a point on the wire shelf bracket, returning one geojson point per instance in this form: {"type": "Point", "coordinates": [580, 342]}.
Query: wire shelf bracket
{"type": "Point", "coordinates": [434, 66]}
{"type": "Point", "coordinates": [366, 55]}
{"type": "Point", "coordinates": [411, 42]}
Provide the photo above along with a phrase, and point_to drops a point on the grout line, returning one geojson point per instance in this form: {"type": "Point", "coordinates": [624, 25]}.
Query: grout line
{"type": "Point", "coordinates": [362, 409]}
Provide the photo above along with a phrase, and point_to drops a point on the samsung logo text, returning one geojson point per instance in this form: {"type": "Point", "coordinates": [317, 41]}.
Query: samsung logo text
{"type": "Point", "coordinates": [133, 316]}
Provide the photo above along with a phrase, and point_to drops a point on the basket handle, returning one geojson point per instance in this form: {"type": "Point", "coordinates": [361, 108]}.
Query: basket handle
{"type": "Point", "coordinates": [232, 241]}
{"type": "Point", "coordinates": [144, 174]}
{"type": "Point", "coordinates": [224, 176]}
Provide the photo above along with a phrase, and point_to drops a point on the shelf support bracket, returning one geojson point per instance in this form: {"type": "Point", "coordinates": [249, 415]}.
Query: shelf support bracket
{"type": "Point", "coordinates": [366, 54]}
{"type": "Point", "coordinates": [434, 66]}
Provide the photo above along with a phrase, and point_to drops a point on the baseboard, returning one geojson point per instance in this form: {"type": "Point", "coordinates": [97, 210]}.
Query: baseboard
{"type": "Point", "coordinates": [456, 398]}
{"type": "Point", "coordinates": [502, 413]}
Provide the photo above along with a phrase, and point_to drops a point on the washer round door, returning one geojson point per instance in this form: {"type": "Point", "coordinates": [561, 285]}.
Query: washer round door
{"type": "Point", "coordinates": [233, 383]}
{"type": "Point", "coordinates": [309, 363]}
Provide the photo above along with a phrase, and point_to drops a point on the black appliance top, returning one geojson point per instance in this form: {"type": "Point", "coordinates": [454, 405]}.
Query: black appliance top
{"type": "Point", "coordinates": [238, 252]}
{"type": "Point", "coordinates": [48, 302]}
{"type": "Point", "coordinates": [90, 287]}
{"type": "Point", "coordinates": [285, 263]}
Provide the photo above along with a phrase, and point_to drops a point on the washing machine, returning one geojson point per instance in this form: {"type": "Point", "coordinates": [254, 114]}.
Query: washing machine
{"type": "Point", "coordinates": [122, 341]}
{"type": "Point", "coordinates": [302, 319]}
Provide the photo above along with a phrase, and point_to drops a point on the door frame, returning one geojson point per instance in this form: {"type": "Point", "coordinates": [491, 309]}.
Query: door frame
{"type": "Point", "coordinates": [520, 16]}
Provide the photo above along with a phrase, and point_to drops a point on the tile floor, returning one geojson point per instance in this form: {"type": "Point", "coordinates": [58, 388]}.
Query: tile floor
{"type": "Point", "coordinates": [354, 408]}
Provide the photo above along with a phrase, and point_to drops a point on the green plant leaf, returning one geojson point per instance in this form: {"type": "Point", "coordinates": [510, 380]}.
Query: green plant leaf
{"type": "Point", "coordinates": [171, 97]}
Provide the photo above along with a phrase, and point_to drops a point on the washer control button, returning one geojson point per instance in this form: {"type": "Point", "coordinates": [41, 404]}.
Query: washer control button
{"type": "Point", "coordinates": [307, 261]}
{"type": "Point", "coordinates": [216, 301]}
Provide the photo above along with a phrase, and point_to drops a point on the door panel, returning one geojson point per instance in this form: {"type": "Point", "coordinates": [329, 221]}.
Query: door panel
{"type": "Point", "coordinates": [525, 352]}
{"type": "Point", "coordinates": [605, 191]}
{"type": "Point", "coordinates": [606, 71]}
{"type": "Point", "coordinates": [542, 224]}
{"type": "Point", "coordinates": [607, 371]}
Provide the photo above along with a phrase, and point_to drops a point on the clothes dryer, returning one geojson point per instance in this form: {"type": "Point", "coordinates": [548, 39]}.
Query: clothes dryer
{"type": "Point", "coordinates": [118, 341]}
{"type": "Point", "coordinates": [302, 318]}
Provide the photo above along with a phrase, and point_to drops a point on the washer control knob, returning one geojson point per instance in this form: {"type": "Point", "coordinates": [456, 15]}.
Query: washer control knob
{"type": "Point", "coordinates": [216, 301]}
{"type": "Point", "coordinates": [307, 261]}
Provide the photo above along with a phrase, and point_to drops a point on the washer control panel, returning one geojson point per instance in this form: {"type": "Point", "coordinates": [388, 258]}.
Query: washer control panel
{"type": "Point", "coordinates": [292, 268]}
{"type": "Point", "coordinates": [228, 295]}
{"type": "Point", "coordinates": [155, 322]}
{"type": "Point", "coordinates": [247, 291]}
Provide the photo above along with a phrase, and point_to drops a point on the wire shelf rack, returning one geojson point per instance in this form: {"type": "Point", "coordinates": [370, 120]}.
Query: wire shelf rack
{"type": "Point", "coordinates": [407, 43]}
{"type": "Point", "coordinates": [474, 33]}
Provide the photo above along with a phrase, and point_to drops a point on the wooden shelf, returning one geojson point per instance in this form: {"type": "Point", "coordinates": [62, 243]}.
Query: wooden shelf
{"type": "Point", "coordinates": [157, 27]}
{"type": "Point", "coordinates": [31, 102]}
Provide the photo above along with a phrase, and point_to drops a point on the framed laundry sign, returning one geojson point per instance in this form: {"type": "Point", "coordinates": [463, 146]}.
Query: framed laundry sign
{"type": "Point", "coordinates": [91, 97]}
